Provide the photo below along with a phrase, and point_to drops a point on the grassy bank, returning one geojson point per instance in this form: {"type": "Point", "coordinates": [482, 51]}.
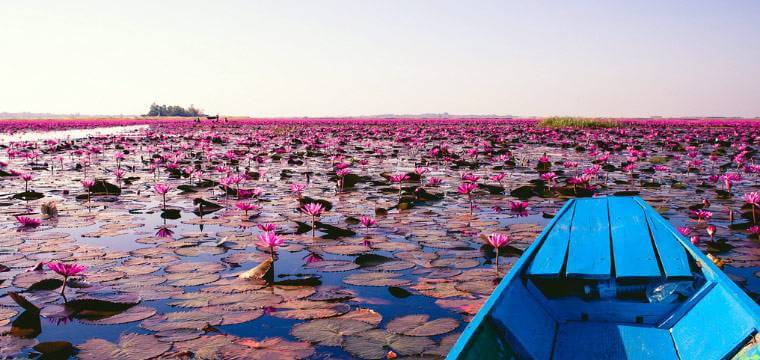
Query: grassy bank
{"type": "Point", "coordinates": [578, 122]}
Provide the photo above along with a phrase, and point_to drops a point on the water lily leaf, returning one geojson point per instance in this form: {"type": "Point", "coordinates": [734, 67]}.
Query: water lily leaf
{"type": "Point", "coordinates": [368, 316]}
{"type": "Point", "coordinates": [307, 310]}
{"type": "Point", "coordinates": [270, 348]}
{"type": "Point", "coordinates": [418, 325]}
{"type": "Point", "coordinates": [181, 320]}
{"type": "Point", "coordinates": [130, 347]}
{"type": "Point", "coordinates": [10, 346]}
{"type": "Point", "coordinates": [375, 344]}
{"type": "Point", "coordinates": [332, 265]}
{"type": "Point", "coordinates": [375, 279]}
{"type": "Point", "coordinates": [328, 332]}
{"type": "Point", "coordinates": [135, 313]}
{"type": "Point", "coordinates": [331, 293]}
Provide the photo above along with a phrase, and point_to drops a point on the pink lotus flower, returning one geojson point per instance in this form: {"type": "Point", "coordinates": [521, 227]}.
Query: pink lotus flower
{"type": "Point", "coordinates": [470, 177]}
{"type": "Point", "coordinates": [753, 199]}
{"type": "Point", "coordinates": [434, 181]}
{"type": "Point", "coordinates": [164, 232]}
{"type": "Point", "coordinates": [313, 209]}
{"type": "Point", "coordinates": [702, 215]}
{"type": "Point", "coordinates": [162, 189]}
{"type": "Point", "coordinates": [367, 221]}
{"type": "Point", "coordinates": [754, 230]}
{"type": "Point", "coordinates": [548, 177]}
{"type": "Point", "coordinates": [297, 189]}
{"type": "Point", "coordinates": [466, 188]}
{"type": "Point", "coordinates": [268, 227]}
{"type": "Point", "coordinates": [27, 178]}
{"type": "Point", "coordinates": [711, 231]}
{"type": "Point", "coordinates": [246, 207]}
{"type": "Point", "coordinates": [65, 270]}
{"type": "Point", "coordinates": [398, 178]}
{"type": "Point", "coordinates": [694, 239]}
{"type": "Point", "coordinates": [518, 206]}
{"type": "Point", "coordinates": [498, 241]}
{"type": "Point", "coordinates": [272, 241]}
{"type": "Point", "coordinates": [28, 222]}
{"type": "Point", "coordinates": [88, 183]}
{"type": "Point", "coordinates": [683, 230]}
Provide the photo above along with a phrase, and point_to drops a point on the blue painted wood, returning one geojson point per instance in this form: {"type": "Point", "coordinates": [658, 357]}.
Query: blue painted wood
{"type": "Point", "coordinates": [671, 252]}
{"type": "Point", "coordinates": [530, 330]}
{"type": "Point", "coordinates": [672, 319]}
{"type": "Point", "coordinates": [550, 257]}
{"type": "Point", "coordinates": [573, 308]}
{"type": "Point", "coordinates": [714, 328]}
{"type": "Point", "coordinates": [633, 254]}
{"type": "Point", "coordinates": [500, 314]}
{"type": "Point", "coordinates": [465, 341]}
{"type": "Point", "coordinates": [591, 340]}
{"type": "Point", "coordinates": [589, 255]}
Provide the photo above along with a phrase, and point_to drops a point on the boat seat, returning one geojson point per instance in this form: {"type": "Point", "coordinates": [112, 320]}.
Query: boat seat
{"type": "Point", "coordinates": [615, 237]}
{"type": "Point", "coordinates": [594, 340]}
{"type": "Point", "coordinates": [715, 327]}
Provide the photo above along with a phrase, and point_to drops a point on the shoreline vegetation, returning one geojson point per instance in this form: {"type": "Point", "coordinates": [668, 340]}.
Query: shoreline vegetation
{"type": "Point", "coordinates": [579, 122]}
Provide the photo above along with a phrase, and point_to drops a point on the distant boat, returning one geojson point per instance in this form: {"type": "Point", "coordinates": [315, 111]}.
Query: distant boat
{"type": "Point", "coordinates": [609, 278]}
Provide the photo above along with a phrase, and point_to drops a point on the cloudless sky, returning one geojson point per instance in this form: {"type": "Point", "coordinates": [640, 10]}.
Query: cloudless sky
{"type": "Point", "coordinates": [356, 57]}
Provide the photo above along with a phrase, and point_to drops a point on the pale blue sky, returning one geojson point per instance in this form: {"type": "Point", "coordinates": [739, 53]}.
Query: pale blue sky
{"type": "Point", "coordinates": [354, 57]}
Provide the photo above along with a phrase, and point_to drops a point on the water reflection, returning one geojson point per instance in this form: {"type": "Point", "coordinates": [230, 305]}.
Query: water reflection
{"type": "Point", "coordinates": [70, 134]}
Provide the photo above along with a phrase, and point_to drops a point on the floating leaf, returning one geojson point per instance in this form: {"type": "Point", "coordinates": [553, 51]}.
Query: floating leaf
{"type": "Point", "coordinates": [374, 344]}
{"type": "Point", "coordinates": [375, 279]}
{"type": "Point", "coordinates": [130, 347]}
{"type": "Point", "coordinates": [418, 325]}
{"type": "Point", "coordinates": [328, 332]}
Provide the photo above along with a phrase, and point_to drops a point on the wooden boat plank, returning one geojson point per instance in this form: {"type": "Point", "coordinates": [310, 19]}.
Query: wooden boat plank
{"type": "Point", "coordinates": [550, 258]}
{"type": "Point", "coordinates": [632, 250]}
{"type": "Point", "coordinates": [714, 328]}
{"type": "Point", "coordinates": [592, 340]}
{"type": "Point", "coordinates": [589, 255]}
{"type": "Point", "coordinates": [675, 262]}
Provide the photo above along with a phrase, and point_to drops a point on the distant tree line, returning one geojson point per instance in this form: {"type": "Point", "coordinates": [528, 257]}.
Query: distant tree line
{"type": "Point", "coordinates": [173, 110]}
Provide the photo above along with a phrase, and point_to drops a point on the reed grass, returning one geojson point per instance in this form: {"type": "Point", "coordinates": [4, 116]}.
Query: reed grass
{"type": "Point", "coordinates": [578, 122]}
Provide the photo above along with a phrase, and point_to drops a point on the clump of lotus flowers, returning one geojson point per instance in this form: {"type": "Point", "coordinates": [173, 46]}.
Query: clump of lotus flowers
{"type": "Point", "coordinates": [702, 215]}
{"type": "Point", "coordinates": [66, 270]}
{"type": "Point", "coordinates": [314, 210]}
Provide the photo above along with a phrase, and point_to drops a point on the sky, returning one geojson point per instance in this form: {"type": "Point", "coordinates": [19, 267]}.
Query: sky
{"type": "Point", "coordinates": [356, 57]}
